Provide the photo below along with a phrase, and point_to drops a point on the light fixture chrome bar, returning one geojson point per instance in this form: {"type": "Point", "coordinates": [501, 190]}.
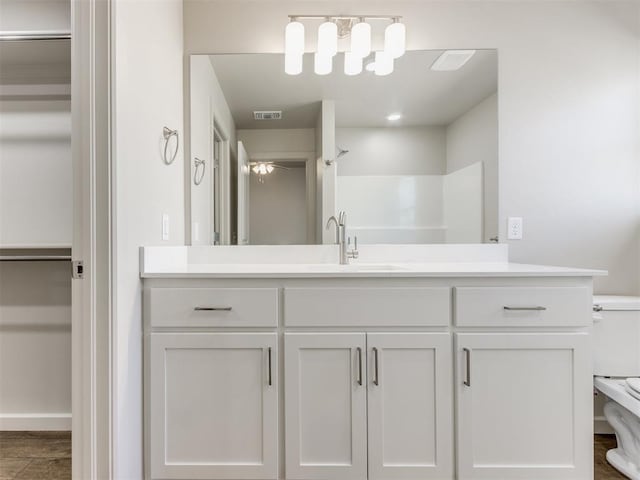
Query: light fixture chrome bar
{"type": "Point", "coordinates": [393, 18]}
{"type": "Point", "coordinates": [24, 36]}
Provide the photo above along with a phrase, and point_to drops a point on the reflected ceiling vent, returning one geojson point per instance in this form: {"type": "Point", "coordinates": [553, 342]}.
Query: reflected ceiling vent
{"type": "Point", "coordinates": [267, 115]}
{"type": "Point", "coordinates": [451, 60]}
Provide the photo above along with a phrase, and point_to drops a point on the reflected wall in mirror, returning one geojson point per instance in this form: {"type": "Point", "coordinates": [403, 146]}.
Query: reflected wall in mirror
{"type": "Point", "coordinates": [411, 157]}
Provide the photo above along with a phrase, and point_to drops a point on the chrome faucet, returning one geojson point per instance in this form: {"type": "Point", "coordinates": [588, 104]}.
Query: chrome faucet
{"type": "Point", "coordinates": [341, 231]}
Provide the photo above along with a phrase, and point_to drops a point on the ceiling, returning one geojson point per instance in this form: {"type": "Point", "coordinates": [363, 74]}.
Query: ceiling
{"type": "Point", "coordinates": [423, 97]}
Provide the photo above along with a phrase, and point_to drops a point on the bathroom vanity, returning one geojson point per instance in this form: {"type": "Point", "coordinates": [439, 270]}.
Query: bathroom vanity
{"type": "Point", "coordinates": [423, 362]}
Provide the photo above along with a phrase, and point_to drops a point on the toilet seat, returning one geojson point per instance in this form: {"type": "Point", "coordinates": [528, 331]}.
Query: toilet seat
{"type": "Point", "coordinates": [635, 394]}
{"type": "Point", "coordinates": [634, 384]}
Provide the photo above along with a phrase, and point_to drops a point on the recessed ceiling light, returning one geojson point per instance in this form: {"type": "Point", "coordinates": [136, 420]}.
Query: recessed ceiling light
{"type": "Point", "coordinates": [370, 67]}
{"type": "Point", "coordinates": [394, 116]}
{"type": "Point", "coordinates": [451, 60]}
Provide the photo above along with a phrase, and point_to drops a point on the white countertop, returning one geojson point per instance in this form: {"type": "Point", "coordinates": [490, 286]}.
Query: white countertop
{"type": "Point", "coordinates": [319, 262]}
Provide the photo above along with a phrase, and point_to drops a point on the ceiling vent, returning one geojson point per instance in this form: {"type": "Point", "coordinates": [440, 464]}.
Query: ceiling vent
{"type": "Point", "coordinates": [267, 115]}
{"type": "Point", "coordinates": [451, 60]}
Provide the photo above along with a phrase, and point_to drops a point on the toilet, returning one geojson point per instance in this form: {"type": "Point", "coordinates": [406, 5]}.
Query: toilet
{"type": "Point", "coordinates": [616, 333]}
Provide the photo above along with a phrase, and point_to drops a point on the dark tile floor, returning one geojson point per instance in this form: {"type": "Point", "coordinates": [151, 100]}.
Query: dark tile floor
{"type": "Point", "coordinates": [47, 456]}
{"type": "Point", "coordinates": [35, 455]}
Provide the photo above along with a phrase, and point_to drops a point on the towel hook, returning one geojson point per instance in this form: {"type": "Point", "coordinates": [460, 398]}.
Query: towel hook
{"type": "Point", "coordinates": [167, 133]}
{"type": "Point", "coordinates": [197, 179]}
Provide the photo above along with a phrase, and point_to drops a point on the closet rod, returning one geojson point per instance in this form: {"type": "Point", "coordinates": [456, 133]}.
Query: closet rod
{"type": "Point", "coordinates": [37, 258]}
{"type": "Point", "coordinates": [20, 36]}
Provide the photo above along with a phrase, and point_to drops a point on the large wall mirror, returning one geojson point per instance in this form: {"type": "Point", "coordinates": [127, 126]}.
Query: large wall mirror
{"type": "Point", "coordinates": [411, 157]}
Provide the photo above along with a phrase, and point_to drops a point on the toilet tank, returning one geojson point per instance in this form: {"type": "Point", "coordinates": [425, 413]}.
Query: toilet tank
{"type": "Point", "coordinates": [616, 334]}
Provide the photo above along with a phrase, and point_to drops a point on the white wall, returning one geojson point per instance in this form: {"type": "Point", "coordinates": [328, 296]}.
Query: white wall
{"type": "Point", "coordinates": [148, 94]}
{"type": "Point", "coordinates": [471, 138]}
{"type": "Point", "coordinates": [392, 151]}
{"type": "Point", "coordinates": [35, 173]}
{"type": "Point", "coordinates": [569, 96]}
{"type": "Point", "coordinates": [278, 208]}
{"type": "Point", "coordinates": [269, 140]}
{"type": "Point", "coordinates": [207, 107]}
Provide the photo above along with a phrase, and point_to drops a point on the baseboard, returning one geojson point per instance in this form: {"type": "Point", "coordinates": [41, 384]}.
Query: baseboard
{"type": "Point", "coordinates": [601, 426]}
{"type": "Point", "coordinates": [35, 421]}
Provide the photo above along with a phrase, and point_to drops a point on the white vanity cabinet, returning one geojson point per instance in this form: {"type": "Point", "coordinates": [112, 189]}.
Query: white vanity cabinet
{"type": "Point", "coordinates": [368, 378]}
{"type": "Point", "coordinates": [214, 407]}
{"type": "Point", "coordinates": [523, 406]}
{"type": "Point", "coordinates": [523, 394]}
{"type": "Point", "coordinates": [377, 399]}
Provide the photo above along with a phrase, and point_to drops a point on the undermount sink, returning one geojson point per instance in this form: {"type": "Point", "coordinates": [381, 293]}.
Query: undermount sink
{"type": "Point", "coordinates": [357, 267]}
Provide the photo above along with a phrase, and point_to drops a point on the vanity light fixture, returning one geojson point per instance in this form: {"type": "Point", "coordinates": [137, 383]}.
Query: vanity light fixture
{"type": "Point", "coordinates": [328, 38]}
{"type": "Point", "coordinates": [361, 39]}
{"type": "Point", "coordinates": [293, 47]}
{"type": "Point", "coordinates": [335, 27]}
{"type": "Point", "coordinates": [383, 63]}
{"type": "Point", "coordinates": [395, 37]}
{"type": "Point", "coordinates": [352, 64]}
{"type": "Point", "coordinates": [322, 64]}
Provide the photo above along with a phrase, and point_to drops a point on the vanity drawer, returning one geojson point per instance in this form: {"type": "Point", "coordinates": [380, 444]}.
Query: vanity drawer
{"type": "Point", "coordinates": [212, 307]}
{"type": "Point", "coordinates": [367, 307]}
{"type": "Point", "coordinates": [522, 306]}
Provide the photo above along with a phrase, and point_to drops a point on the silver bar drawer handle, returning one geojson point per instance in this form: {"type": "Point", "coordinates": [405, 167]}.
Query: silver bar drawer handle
{"type": "Point", "coordinates": [359, 350]}
{"type": "Point", "coordinates": [525, 309]}
{"type": "Point", "coordinates": [467, 354]}
{"type": "Point", "coordinates": [212, 309]}
{"type": "Point", "coordinates": [376, 378]}
{"type": "Point", "coordinates": [269, 351]}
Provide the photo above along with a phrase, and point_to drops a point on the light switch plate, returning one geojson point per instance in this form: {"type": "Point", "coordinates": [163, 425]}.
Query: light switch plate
{"type": "Point", "coordinates": [514, 228]}
{"type": "Point", "coordinates": [165, 226]}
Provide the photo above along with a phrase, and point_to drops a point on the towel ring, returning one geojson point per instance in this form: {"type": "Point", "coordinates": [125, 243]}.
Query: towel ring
{"type": "Point", "coordinates": [197, 179]}
{"type": "Point", "coordinates": [167, 133]}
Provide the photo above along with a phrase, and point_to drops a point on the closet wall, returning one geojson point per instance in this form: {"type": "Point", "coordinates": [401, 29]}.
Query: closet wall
{"type": "Point", "coordinates": [35, 219]}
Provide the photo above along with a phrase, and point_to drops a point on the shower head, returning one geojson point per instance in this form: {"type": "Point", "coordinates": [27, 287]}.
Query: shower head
{"type": "Point", "coordinates": [341, 152]}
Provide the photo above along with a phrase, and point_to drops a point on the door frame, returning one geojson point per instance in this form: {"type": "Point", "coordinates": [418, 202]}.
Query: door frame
{"type": "Point", "coordinates": [92, 298]}
{"type": "Point", "coordinates": [310, 174]}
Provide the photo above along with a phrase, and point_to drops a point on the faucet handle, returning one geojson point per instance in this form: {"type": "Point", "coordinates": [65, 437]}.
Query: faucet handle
{"type": "Point", "coordinates": [353, 253]}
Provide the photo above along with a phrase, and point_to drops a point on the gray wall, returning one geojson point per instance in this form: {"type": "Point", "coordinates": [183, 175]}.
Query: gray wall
{"type": "Point", "coordinates": [569, 96]}
{"type": "Point", "coordinates": [278, 208]}
{"type": "Point", "coordinates": [392, 151]}
{"type": "Point", "coordinates": [471, 138]}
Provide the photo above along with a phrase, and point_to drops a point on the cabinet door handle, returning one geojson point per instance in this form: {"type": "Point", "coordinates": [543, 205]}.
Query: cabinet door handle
{"type": "Point", "coordinates": [212, 309]}
{"type": "Point", "coordinates": [525, 309]}
{"type": "Point", "coordinates": [467, 354]}
{"type": "Point", "coordinates": [359, 350]}
{"type": "Point", "coordinates": [269, 363]}
{"type": "Point", "coordinates": [376, 372]}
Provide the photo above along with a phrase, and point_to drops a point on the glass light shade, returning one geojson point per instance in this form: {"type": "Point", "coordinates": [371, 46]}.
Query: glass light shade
{"type": "Point", "coordinates": [395, 39]}
{"type": "Point", "coordinates": [293, 63]}
{"type": "Point", "coordinates": [352, 64]}
{"type": "Point", "coordinates": [269, 168]}
{"type": "Point", "coordinates": [294, 38]}
{"type": "Point", "coordinates": [384, 63]}
{"type": "Point", "coordinates": [322, 64]}
{"type": "Point", "coordinates": [256, 169]}
{"type": "Point", "coordinates": [361, 39]}
{"type": "Point", "coordinates": [328, 39]}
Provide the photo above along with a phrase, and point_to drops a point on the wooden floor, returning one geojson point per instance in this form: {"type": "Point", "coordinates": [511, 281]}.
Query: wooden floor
{"type": "Point", "coordinates": [47, 456]}
{"type": "Point", "coordinates": [35, 455]}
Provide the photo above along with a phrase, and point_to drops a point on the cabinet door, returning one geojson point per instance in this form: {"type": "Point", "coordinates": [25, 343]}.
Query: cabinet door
{"type": "Point", "coordinates": [524, 406]}
{"type": "Point", "coordinates": [325, 406]}
{"type": "Point", "coordinates": [214, 406]}
{"type": "Point", "coordinates": [410, 406]}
